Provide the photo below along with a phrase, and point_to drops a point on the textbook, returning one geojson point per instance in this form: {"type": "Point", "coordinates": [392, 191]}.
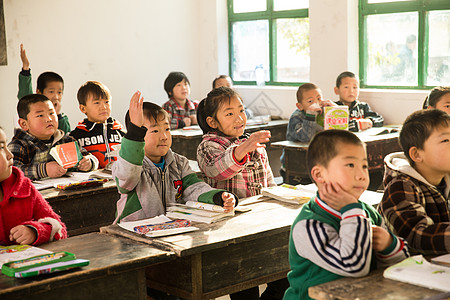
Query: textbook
{"type": "Point", "coordinates": [158, 226]}
{"type": "Point", "coordinates": [289, 193]}
{"type": "Point", "coordinates": [335, 117]}
{"type": "Point", "coordinates": [67, 155]}
{"type": "Point", "coordinates": [418, 271]}
{"type": "Point", "coordinates": [17, 252]}
{"type": "Point", "coordinates": [42, 264]}
{"type": "Point", "coordinates": [198, 212]}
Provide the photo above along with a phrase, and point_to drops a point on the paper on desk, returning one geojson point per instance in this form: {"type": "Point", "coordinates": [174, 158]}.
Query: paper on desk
{"type": "Point", "coordinates": [68, 178]}
{"type": "Point", "coordinates": [18, 252]}
{"type": "Point", "coordinates": [156, 220]}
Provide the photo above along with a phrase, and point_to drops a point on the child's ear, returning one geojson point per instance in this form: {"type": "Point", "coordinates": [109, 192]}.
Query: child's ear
{"type": "Point", "coordinates": [415, 154]}
{"type": "Point", "coordinates": [83, 108]}
{"type": "Point", "coordinates": [211, 122]}
{"type": "Point", "coordinates": [336, 90]}
{"type": "Point", "coordinates": [23, 124]}
{"type": "Point", "coordinates": [299, 106]}
{"type": "Point", "coordinates": [38, 91]}
{"type": "Point", "coordinates": [317, 174]}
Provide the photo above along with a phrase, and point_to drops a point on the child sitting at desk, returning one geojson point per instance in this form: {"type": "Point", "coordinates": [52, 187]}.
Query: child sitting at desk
{"type": "Point", "coordinates": [233, 161]}
{"type": "Point", "coordinates": [25, 216]}
{"type": "Point", "coordinates": [38, 133]}
{"type": "Point", "coordinates": [361, 117]}
{"type": "Point", "coordinates": [417, 183]}
{"type": "Point", "coordinates": [149, 175]}
{"type": "Point", "coordinates": [49, 84]}
{"type": "Point", "coordinates": [182, 111]}
{"type": "Point", "coordinates": [438, 98]}
{"type": "Point", "coordinates": [304, 122]}
{"type": "Point", "coordinates": [335, 234]}
{"type": "Point", "coordinates": [99, 132]}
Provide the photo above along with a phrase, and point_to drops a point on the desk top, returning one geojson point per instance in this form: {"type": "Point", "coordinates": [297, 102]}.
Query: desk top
{"type": "Point", "coordinates": [374, 286]}
{"type": "Point", "coordinates": [107, 254]}
{"type": "Point", "coordinates": [267, 217]}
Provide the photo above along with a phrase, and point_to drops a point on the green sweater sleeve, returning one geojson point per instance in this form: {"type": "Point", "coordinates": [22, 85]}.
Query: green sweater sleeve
{"type": "Point", "coordinates": [63, 123]}
{"type": "Point", "coordinates": [25, 87]}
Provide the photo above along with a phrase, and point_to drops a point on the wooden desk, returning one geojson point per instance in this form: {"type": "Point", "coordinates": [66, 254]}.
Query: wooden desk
{"type": "Point", "coordinates": [84, 210]}
{"type": "Point", "coordinates": [373, 287]}
{"type": "Point", "coordinates": [225, 257]}
{"type": "Point", "coordinates": [377, 148]}
{"type": "Point", "coordinates": [185, 142]}
{"type": "Point", "coordinates": [116, 271]}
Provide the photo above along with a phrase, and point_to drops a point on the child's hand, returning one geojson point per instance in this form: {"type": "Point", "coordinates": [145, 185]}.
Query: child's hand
{"type": "Point", "coordinates": [22, 235]}
{"type": "Point", "coordinates": [327, 103]}
{"type": "Point", "coordinates": [136, 109]}
{"type": "Point", "coordinates": [54, 170]}
{"type": "Point", "coordinates": [252, 143]}
{"type": "Point", "coordinates": [228, 201]}
{"type": "Point", "coordinates": [85, 164]}
{"type": "Point", "coordinates": [314, 109]}
{"type": "Point", "coordinates": [193, 119]}
{"type": "Point", "coordinates": [335, 196]}
{"type": "Point", "coordinates": [381, 239]}
{"type": "Point", "coordinates": [24, 58]}
{"type": "Point", "coordinates": [365, 124]}
{"type": "Point", "coordinates": [187, 121]}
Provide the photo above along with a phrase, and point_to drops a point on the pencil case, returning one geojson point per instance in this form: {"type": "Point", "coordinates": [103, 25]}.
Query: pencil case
{"type": "Point", "coordinates": [143, 229]}
{"type": "Point", "coordinates": [42, 264]}
{"type": "Point", "coordinates": [82, 184]}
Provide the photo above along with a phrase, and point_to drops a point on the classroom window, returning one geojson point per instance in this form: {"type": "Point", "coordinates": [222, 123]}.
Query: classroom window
{"type": "Point", "coordinates": [269, 41]}
{"type": "Point", "coordinates": [404, 44]}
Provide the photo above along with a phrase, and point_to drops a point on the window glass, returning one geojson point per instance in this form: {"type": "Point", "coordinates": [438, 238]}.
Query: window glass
{"type": "Point", "coordinates": [392, 49]}
{"type": "Point", "coordinates": [243, 6]}
{"type": "Point", "coordinates": [293, 50]}
{"type": "Point", "coordinates": [438, 72]}
{"type": "Point", "coordinates": [290, 4]}
{"type": "Point", "coordinates": [250, 49]}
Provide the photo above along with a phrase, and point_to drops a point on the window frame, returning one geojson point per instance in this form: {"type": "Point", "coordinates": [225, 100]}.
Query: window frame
{"type": "Point", "coordinates": [271, 16]}
{"type": "Point", "coordinates": [420, 6]}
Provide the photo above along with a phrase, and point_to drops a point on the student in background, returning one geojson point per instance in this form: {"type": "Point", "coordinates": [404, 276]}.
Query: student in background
{"type": "Point", "coordinates": [304, 122]}
{"type": "Point", "coordinates": [438, 98]}
{"type": "Point", "coordinates": [417, 183]}
{"type": "Point", "coordinates": [149, 175]}
{"type": "Point", "coordinates": [233, 161]}
{"type": "Point", "coordinates": [335, 235]}
{"type": "Point", "coordinates": [49, 84]}
{"type": "Point", "coordinates": [26, 218]}
{"type": "Point", "coordinates": [37, 134]}
{"type": "Point", "coordinates": [361, 117]}
{"type": "Point", "coordinates": [98, 133]}
{"type": "Point", "coordinates": [182, 111]}
{"type": "Point", "coordinates": [225, 80]}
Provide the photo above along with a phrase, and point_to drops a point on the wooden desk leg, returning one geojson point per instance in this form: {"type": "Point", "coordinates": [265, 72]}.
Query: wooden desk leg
{"type": "Point", "coordinates": [197, 280]}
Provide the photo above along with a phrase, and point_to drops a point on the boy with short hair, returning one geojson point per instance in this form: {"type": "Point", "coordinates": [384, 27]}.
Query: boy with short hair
{"type": "Point", "coordinates": [417, 183]}
{"type": "Point", "coordinates": [361, 116]}
{"type": "Point", "coordinates": [99, 132]}
{"type": "Point", "coordinates": [49, 84]}
{"type": "Point", "coordinates": [335, 234]}
{"type": "Point", "coordinates": [37, 134]}
{"type": "Point", "coordinates": [182, 111]}
{"type": "Point", "coordinates": [149, 175]}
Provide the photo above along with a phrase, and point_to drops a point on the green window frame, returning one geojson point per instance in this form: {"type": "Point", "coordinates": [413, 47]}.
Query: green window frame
{"type": "Point", "coordinates": [271, 16]}
{"type": "Point", "coordinates": [422, 7]}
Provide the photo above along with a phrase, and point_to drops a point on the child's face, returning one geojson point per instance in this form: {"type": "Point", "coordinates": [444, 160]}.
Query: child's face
{"type": "Point", "coordinates": [181, 91]}
{"type": "Point", "coordinates": [444, 103]}
{"type": "Point", "coordinates": [349, 169]}
{"type": "Point", "coordinates": [41, 121]}
{"type": "Point", "coordinates": [6, 158]}
{"type": "Point", "coordinates": [97, 110]}
{"type": "Point", "coordinates": [54, 91]}
{"type": "Point", "coordinates": [158, 138]}
{"type": "Point", "coordinates": [309, 98]}
{"type": "Point", "coordinates": [230, 118]}
{"type": "Point", "coordinates": [223, 82]}
{"type": "Point", "coordinates": [348, 91]}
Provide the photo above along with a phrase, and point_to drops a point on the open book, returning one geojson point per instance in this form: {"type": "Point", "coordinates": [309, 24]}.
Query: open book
{"type": "Point", "coordinates": [289, 193]}
{"type": "Point", "coordinates": [67, 155]}
{"type": "Point", "coordinates": [198, 212]}
{"type": "Point", "coordinates": [158, 226]}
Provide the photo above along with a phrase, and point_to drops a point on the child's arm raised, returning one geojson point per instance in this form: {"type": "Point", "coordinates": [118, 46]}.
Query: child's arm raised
{"type": "Point", "coordinates": [24, 58]}
{"type": "Point", "coordinates": [254, 142]}
{"type": "Point", "coordinates": [25, 87]}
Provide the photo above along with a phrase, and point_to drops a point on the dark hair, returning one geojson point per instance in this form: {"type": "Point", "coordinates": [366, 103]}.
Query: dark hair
{"type": "Point", "coordinates": [418, 127]}
{"type": "Point", "coordinates": [325, 146]}
{"type": "Point", "coordinates": [304, 88]}
{"type": "Point", "coordinates": [95, 89]}
{"type": "Point", "coordinates": [171, 81]}
{"type": "Point", "coordinates": [46, 77]}
{"type": "Point", "coordinates": [219, 77]}
{"type": "Point", "coordinates": [152, 111]}
{"type": "Point", "coordinates": [435, 95]}
{"type": "Point", "coordinates": [345, 75]}
{"type": "Point", "coordinates": [23, 106]}
{"type": "Point", "coordinates": [209, 106]}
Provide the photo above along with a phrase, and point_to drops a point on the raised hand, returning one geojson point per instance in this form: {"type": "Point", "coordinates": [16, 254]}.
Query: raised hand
{"type": "Point", "coordinates": [254, 142]}
{"type": "Point", "coordinates": [24, 58]}
{"type": "Point", "coordinates": [136, 109]}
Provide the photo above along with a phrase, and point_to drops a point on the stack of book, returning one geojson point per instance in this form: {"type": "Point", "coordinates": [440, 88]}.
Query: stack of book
{"type": "Point", "coordinates": [289, 193]}
{"type": "Point", "coordinates": [198, 212]}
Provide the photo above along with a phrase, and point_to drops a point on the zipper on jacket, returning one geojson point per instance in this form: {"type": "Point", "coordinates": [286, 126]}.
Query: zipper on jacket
{"type": "Point", "coordinates": [105, 136]}
{"type": "Point", "coordinates": [163, 179]}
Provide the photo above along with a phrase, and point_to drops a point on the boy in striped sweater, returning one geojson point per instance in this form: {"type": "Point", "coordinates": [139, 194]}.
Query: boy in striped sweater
{"type": "Point", "coordinates": [336, 235]}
